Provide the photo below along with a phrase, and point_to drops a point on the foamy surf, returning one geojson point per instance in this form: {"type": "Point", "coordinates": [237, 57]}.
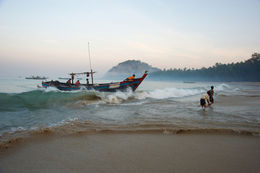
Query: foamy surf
{"type": "Point", "coordinates": [75, 127]}
{"type": "Point", "coordinates": [46, 97]}
{"type": "Point", "coordinates": [171, 107]}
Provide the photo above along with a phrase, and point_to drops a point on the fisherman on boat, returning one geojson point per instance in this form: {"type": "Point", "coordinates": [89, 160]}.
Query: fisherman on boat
{"type": "Point", "coordinates": [77, 83]}
{"type": "Point", "coordinates": [131, 78]}
{"type": "Point", "coordinates": [68, 82]}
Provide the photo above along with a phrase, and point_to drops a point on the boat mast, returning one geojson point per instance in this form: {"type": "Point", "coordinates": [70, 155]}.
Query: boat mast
{"type": "Point", "coordinates": [91, 72]}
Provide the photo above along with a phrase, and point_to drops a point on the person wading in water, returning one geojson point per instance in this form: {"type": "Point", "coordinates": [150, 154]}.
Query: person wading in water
{"type": "Point", "coordinates": [211, 93]}
{"type": "Point", "coordinates": [203, 101]}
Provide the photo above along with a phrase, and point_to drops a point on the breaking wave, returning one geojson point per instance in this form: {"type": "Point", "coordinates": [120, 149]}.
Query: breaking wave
{"type": "Point", "coordinates": [41, 99]}
{"type": "Point", "coordinates": [172, 93]}
{"type": "Point", "coordinates": [164, 93]}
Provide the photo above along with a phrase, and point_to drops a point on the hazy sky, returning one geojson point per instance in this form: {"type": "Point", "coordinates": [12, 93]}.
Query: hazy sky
{"type": "Point", "coordinates": [51, 36]}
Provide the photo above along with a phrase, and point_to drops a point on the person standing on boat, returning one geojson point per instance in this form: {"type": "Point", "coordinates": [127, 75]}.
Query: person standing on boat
{"type": "Point", "coordinates": [87, 81]}
{"type": "Point", "coordinates": [72, 77]}
{"type": "Point", "coordinates": [131, 77]}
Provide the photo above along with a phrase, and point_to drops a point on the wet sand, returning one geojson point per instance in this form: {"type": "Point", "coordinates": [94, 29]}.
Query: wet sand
{"type": "Point", "coordinates": [134, 153]}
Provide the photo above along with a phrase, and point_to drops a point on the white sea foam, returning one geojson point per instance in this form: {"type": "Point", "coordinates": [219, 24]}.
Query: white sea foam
{"type": "Point", "coordinates": [50, 89]}
{"type": "Point", "coordinates": [165, 93]}
{"type": "Point", "coordinates": [17, 129]}
{"type": "Point", "coordinates": [120, 97]}
{"type": "Point", "coordinates": [117, 97]}
{"type": "Point", "coordinates": [227, 89]}
{"type": "Point", "coordinates": [172, 93]}
{"type": "Point", "coordinates": [65, 121]}
{"type": "Point", "coordinates": [222, 87]}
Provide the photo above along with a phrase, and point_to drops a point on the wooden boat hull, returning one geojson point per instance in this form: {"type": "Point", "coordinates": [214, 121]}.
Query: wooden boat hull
{"type": "Point", "coordinates": [104, 87]}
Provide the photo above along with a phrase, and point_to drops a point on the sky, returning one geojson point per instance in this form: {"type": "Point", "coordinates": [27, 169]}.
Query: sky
{"type": "Point", "coordinates": [43, 37]}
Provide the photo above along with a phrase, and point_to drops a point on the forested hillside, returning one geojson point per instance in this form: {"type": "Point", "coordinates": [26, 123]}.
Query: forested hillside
{"type": "Point", "coordinates": [248, 70]}
{"type": "Point", "coordinates": [129, 67]}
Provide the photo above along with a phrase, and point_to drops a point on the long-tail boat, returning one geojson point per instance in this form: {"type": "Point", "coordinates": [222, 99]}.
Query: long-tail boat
{"type": "Point", "coordinates": [106, 87]}
{"type": "Point", "coordinates": [103, 87]}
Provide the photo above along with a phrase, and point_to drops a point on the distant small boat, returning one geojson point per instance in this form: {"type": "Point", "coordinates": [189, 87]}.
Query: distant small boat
{"type": "Point", "coordinates": [64, 78]}
{"type": "Point", "coordinates": [37, 77]}
{"type": "Point", "coordinates": [188, 82]}
{"type": "Point", "coordinates": [67, 78]}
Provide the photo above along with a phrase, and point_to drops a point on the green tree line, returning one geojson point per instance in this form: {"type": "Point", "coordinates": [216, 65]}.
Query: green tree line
{"type": "Point", "coordinates": [248, 70]}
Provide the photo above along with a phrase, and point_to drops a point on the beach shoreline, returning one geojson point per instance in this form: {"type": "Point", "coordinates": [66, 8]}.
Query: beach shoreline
{"type": "Point", "coordinates": [130, 152]}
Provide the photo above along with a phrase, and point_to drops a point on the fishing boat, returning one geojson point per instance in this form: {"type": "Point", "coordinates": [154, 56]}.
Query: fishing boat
{"type": "Point", "coordinates": [103, 87]}
{"type": "Point", "coordinates": [36, 77]}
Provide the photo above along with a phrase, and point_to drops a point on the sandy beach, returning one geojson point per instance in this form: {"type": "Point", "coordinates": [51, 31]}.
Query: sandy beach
{"type": "Point", "coordinates": [134, 153]}
{"type": "Point", "coordinates": [109, 86]}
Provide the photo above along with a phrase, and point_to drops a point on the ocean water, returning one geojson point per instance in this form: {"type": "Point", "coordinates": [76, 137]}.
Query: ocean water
{"type": "Point", "coordinates": [167, 107]}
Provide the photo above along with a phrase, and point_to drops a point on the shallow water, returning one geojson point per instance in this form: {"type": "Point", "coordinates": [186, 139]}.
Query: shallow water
{"type": "Point", "coordinates": [154, 106]}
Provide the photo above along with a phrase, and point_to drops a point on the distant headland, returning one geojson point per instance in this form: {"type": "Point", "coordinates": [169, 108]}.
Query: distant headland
{"type": "Point", "coordinates": [129, 67]}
